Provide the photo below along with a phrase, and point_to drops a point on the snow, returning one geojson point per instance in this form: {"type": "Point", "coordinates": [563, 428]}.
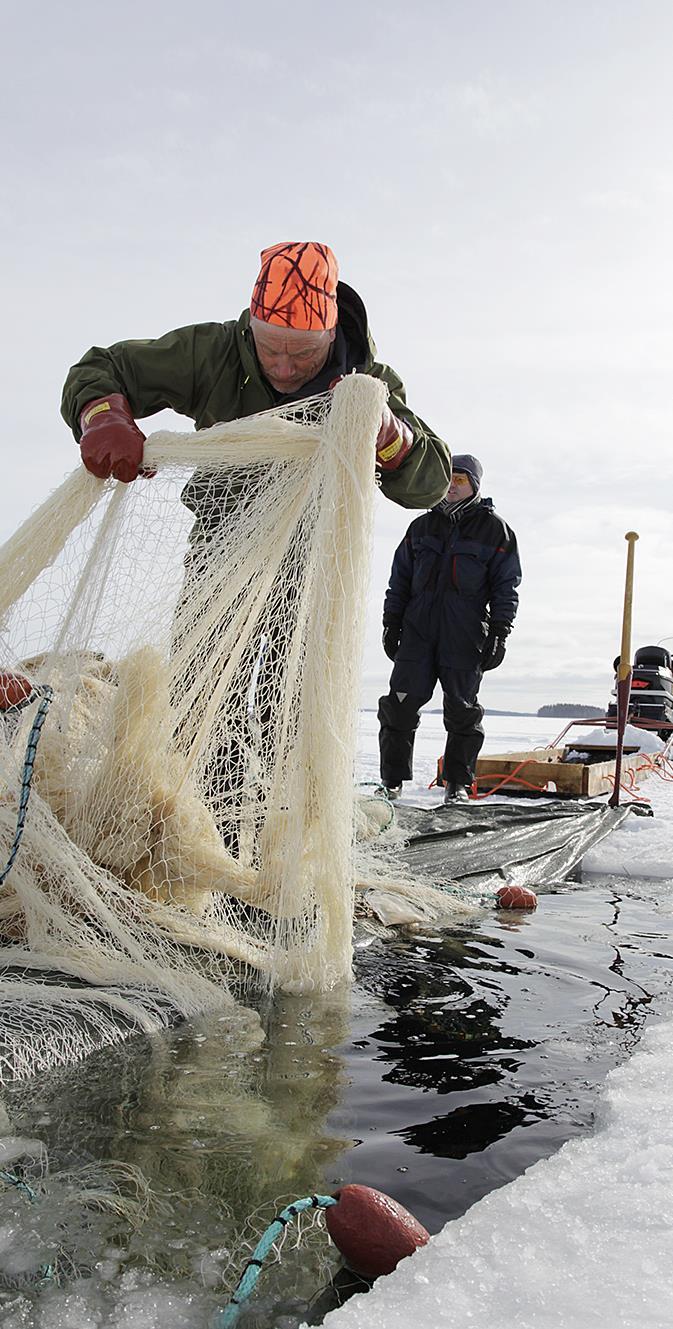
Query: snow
{"type": "Point", "coordinates": [646, 740]}
{"type": "Point", "coordinates": [504, 733]}
{"type": "Point", "coordinates": [642, 848]}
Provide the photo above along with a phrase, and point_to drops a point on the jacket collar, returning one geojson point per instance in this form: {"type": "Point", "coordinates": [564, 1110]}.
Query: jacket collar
{"type": "Point", "coordinates": [454, 512]}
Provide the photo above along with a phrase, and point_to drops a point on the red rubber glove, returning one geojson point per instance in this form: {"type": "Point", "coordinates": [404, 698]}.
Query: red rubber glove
{"type": "Point", "coordinates": [111, 442]}
{"type": "Point", "coordinates": [394, 442]}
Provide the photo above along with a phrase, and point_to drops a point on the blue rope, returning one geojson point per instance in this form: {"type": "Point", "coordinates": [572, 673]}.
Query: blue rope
{"type": "Point", "coordinates": [226, 1318]}
{"type": "Point", "coordinates": [13, 1180]}
{"type": "Point", "coordinates": [27, 775]}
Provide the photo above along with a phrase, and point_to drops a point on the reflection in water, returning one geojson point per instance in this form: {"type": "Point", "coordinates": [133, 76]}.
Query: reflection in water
{"type": "Point", "coordinates": [493, 1043]}
{"type": "Point", "coordinates": [468, 1129]}
{"type": "Point", "coordinates": [223, 1133]}
{"type": "Point", "coordinates": [458, 1059]}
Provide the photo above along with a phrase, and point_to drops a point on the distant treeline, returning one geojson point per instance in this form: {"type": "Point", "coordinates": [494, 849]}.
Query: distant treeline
{"type": "Point", "coordinates": [566, 708]}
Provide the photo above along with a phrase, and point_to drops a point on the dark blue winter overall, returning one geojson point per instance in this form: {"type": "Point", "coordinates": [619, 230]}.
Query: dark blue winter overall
{"type": "Point", "coordinates": [449, 579]}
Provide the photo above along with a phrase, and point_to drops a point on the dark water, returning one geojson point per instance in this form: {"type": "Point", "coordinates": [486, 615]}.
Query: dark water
{"type": "Point", "coordinates": [494, 1043]}
{"type": "Point", "coordinates": [456, 1060]}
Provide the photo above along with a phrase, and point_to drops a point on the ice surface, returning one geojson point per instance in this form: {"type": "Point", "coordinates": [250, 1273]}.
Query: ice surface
{"type": "Point", "coordinates": [642, 848]}
{"type": "Point", "coordinates": [581, 1239]}
{"type": "Point", "coordinates": [504, 733]}
{"type": "Point", "coordinates": [139, 1301]}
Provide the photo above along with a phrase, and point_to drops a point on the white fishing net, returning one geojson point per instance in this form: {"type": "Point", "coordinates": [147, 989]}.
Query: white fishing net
{"type": "Point", "coordinates": [191, 817]}
{"type": "Point", "coordinates": [191, 808]}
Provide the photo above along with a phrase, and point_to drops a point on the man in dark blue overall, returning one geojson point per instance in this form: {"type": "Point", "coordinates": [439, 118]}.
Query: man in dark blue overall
{"type": "Point", "coordinates": [449, 607]}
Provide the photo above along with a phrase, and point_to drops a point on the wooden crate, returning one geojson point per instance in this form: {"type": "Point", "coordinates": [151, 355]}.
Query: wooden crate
{"type": "Point", "coordinates": [572, 779]}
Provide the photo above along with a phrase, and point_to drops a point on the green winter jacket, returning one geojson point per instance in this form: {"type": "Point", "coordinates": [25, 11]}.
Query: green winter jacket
{"type": "Point", "coordinates": [210, 372]}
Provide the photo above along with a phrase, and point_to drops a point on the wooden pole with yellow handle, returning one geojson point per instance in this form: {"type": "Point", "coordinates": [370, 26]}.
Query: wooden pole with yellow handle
{"type": "Point", "coordinates": [624, 670]}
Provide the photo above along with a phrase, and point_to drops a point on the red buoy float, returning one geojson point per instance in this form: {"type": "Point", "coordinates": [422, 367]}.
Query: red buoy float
{"type": "Point", "coordinates": [15, 690]}
{"type": "Point", "coordinates": [372, 1231]}
{"type": "Point", "coordinates": [515, 897]}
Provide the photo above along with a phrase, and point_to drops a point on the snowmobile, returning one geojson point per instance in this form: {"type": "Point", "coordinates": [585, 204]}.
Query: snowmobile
{"type": "Point", "coordinates": [651, 698]}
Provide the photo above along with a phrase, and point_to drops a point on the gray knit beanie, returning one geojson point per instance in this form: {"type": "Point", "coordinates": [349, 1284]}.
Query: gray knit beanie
{"type": "Point", "coordinates": [471, 466]}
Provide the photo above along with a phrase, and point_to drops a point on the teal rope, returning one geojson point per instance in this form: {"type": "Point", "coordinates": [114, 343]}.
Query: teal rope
{"type": "Point", "coordinates": [380, 793]}
{"type": "Point", "coordinates": [13, 1180]}
{"type": "Point", "coordinates": [27, 774]}
{"type": "Point", "coordinates": [226, 1318]}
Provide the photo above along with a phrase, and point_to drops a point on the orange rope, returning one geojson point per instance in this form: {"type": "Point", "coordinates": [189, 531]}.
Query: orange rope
{"type": "Point", "coordinates": [657, 765]}
{"type": "Point", "coordinates": [506, 779]}
{"type": "Point", "coordinates": [629, 789]}
{"type": "Point", "coordinates": [651, 764]}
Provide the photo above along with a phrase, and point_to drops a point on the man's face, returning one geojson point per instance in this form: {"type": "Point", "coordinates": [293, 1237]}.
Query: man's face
{"type": "Point", "coordinates": [289, 357]}
{"type": "Point", "coordinates": [460, 487]}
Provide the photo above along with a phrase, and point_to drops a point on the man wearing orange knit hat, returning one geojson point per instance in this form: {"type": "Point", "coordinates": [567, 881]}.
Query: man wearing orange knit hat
{"type": "Point", "coordinates": [303, 330]}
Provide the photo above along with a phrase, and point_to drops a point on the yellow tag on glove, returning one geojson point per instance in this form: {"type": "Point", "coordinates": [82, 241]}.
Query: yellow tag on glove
{"type": "Point", "coordinates": [96, 410]}
{"type": "Point", "coordinates": [391, 450]}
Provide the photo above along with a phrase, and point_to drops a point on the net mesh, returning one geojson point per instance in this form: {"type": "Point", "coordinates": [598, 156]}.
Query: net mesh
{"type": "Point", "coordinates": [191, 813]}
{"type": "Point", "coordinates": [192, 821]}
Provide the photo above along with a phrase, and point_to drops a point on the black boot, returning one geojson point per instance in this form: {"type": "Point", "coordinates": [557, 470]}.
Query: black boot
{"type": "Point", "coordinates": [391, 791]}
{"type": "Point", "coordinates": [455, 793]}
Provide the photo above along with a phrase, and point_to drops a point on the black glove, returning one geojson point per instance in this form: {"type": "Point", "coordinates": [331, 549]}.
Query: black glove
{"type": "Point", "coordinates": [493, 652]}
{"type": "Point", "coordinates": [392, 631]}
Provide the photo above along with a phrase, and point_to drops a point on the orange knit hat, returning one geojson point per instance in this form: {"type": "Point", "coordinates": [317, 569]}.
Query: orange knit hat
{"type": "Point", "coordinates": [296, 287]}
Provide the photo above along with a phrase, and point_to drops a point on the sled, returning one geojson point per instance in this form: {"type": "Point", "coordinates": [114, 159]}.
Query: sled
{"type": "Point", "coordinates": [555, 771]}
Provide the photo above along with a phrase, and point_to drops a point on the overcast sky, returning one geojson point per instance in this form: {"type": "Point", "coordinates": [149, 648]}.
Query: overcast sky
{"type": "Point", "coordinates": [496, 180]}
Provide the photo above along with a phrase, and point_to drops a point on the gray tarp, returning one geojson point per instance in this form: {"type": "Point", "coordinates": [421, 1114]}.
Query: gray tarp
{"type": "Point", "coordinates": [532, 844]}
